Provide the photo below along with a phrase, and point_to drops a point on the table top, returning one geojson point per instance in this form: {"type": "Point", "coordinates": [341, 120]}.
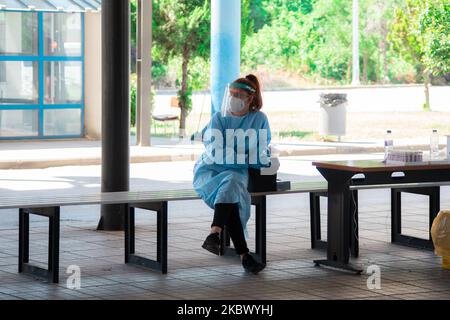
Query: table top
{"type": "Point", "coordinates": [362, 166]}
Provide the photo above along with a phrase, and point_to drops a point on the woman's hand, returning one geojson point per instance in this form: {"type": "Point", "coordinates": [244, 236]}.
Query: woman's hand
{"type": "Point", "coordinates": [273, 169]}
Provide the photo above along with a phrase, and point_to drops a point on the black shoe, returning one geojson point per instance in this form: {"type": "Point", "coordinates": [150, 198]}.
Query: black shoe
{"type": "Point", "coordinates": [251, 265]}
{"type": "Point", "coordinates": [212, 243]}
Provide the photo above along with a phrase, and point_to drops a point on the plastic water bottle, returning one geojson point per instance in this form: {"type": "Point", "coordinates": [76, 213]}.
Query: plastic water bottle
{"type": "Point", "coordinates": [388, 144]}
{"type": "Point", "coordinates": [434, 145]}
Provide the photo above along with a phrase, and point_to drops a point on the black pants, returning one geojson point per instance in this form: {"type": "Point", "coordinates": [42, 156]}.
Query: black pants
{"type": "Point", "coordinates": [227, 214]}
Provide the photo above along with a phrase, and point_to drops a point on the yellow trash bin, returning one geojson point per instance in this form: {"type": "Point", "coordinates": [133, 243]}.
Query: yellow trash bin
{"type": "Point", "coordinates": [446, 263]}
{"type": "Point", "coordinates": [440, 233]}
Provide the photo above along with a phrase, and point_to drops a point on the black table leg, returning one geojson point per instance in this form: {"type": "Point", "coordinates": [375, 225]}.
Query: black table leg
{"type": "Point", "coordinates": [339, 215]}
{"type": "Point", "coordinates": [316, 237]}
{"type": "Point", "coordinates": [354, 227]}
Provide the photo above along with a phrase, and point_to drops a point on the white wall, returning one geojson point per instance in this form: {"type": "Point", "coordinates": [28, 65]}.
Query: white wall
{"type": "Point", "coordinates": [93, 75]}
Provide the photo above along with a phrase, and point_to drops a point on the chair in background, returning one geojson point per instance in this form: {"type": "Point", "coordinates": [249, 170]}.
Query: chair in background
{"type": "Point", "coordinates": [168, 117]}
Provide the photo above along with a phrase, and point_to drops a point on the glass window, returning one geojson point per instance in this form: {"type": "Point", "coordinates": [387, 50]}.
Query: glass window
{"type": "Point", "coordinates": [2, 71]}
{"type": "Point", "coordinates": [62, 34]}
{"type": "Point", "coordinates": [59, 80]}
{"type": "Point", "coordinates": [18, 33]}
{"type": "Point", "coordinates": [18, 123]}
{"type": "Point", "coordinates": [63, 82]}
{"type": "Point", "coordinates": [58, 122]}
{"type": "Point", "coordinates": [20, 83]}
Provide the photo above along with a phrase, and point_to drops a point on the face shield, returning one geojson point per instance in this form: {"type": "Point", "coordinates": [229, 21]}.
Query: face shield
{"type": "Point", "coordinates": [236, 99]}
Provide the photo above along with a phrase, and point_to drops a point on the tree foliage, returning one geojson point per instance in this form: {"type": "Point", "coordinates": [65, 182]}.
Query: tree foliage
{"type": "Point", "coordinates": [181, 29]}
{"type": "Point", "coordinates": [420, 32]}
{"type": "Point", "coordinates": [310, 37]}
{"type": "Point", "coordinates": [313, 38]}
{"type": "Point", "coordinates": [434, 26]}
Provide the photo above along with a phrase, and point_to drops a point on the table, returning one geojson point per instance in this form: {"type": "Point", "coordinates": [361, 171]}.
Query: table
{"type": "Point", "coordinates": [339, 176]}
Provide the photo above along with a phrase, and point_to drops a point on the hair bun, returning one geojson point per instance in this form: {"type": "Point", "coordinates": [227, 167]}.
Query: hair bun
{"type": "Point", "coordinates": [253, 79]}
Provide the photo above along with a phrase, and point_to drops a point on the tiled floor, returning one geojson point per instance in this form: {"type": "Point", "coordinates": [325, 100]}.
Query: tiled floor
{"type": "Point", "coordinates": [406, 273]}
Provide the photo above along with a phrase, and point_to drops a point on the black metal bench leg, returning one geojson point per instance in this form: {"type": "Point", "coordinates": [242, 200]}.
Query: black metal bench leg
{"type": "Point", "coordinates": [227, 238]}
{"type": "Point", "coordinates": [260, 232]}
{"type": "Point", "coordinates": [160, 264]}
{"type": "Point", "coordinates": [314, 207]}
{"type": "Point", "coordinates": [52, 273]}
{"type": "Point", "coordinates": [162, 237]}
{"type": "Point", "coordinates": [260, 219]}
{"type": "Point", "coordinates": [24, 238]}
{"type": "Point", "coordinates": [435, 207]}
{"type": "Point", "coordinates": [53, 246]}
{"type": "Point", "coordinates": [396, 216]}
{"type": "Point", "coordinates": [129, 233]}
{"type": "Point", "coordinates": [313, 219]}
{"type": "Point", "coordinates": [396, 211]}
{"type": "Point", "coordinates": [225, 242]}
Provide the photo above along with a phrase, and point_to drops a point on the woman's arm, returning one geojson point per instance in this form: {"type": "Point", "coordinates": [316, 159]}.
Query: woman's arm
{"type": "Point", "coordinates": [263, 142]}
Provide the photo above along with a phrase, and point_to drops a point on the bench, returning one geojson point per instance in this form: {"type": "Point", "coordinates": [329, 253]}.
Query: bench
{"type": "Point", "coordinates": [157, 201]}
{"type": "Point", "coordinates": [49, 206]}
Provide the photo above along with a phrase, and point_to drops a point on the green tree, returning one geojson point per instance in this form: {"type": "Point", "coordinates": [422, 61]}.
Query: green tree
{"type": "Point", "coordinates": [328, 30]}
{"type": "Point", "coordinates": [247, 24]}
{"type": "Point", "coordinates": [181, 29]}
{"type": "Point", "coordinates": [258, 14]}
{"type": "Point", "coordinates": [307, 37]}
{"type": "Point", "coordinates": [277, 43]}
{"type": "Point", "coordinates": [434, 26]}
{"type": "Point", "coordinates": [420, 31]}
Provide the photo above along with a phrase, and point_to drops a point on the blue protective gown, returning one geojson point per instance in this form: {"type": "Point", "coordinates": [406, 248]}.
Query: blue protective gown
{"type": "Point", "coordinates": [227, 182]}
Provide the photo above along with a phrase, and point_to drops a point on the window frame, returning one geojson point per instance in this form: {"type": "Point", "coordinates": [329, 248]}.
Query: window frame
{"type": "Point", "coordinates": [40, 58]}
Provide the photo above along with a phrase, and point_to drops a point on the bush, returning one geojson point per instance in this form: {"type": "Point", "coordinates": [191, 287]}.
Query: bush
{"type": "Point", "coordinates": [133, 99]}
{"type": "Point", "coordinates": [133, 90]}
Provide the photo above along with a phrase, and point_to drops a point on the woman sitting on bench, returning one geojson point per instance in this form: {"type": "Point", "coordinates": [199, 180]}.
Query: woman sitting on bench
{"type": "Point", "coordinates": [221, 173]}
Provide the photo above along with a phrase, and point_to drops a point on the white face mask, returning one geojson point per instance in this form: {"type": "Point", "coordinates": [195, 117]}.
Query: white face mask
{"type": "Point", "coordinates": [236, 105]}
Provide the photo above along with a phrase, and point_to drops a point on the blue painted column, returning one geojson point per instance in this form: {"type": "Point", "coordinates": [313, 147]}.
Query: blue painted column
{"type": "Point", "coordinates": [225, 47]}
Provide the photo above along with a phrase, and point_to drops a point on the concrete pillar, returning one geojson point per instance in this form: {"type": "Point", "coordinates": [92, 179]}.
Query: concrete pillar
{"type": "Point", "coordinates": [355, 75]}
{"type": "Point", "coordinates": [115, 107]}
{"type": "Point", "coordinates": [225, 47]}
{"type": "Point", "coordinates": [144, 71]}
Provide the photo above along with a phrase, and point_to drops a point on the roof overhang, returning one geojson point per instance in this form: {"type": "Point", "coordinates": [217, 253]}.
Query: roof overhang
{"type": "Point", "coordinates": [51, 5]}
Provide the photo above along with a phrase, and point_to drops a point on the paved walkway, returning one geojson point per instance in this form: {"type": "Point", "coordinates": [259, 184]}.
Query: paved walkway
{"type": "Point", "coordinates": [194, 273]}
{"type": "Point", "coordinates": [44, 154]}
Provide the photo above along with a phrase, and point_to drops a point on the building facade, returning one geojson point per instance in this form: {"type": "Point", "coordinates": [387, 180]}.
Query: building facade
{"type": "Point", "coordinates": [44, 71]}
